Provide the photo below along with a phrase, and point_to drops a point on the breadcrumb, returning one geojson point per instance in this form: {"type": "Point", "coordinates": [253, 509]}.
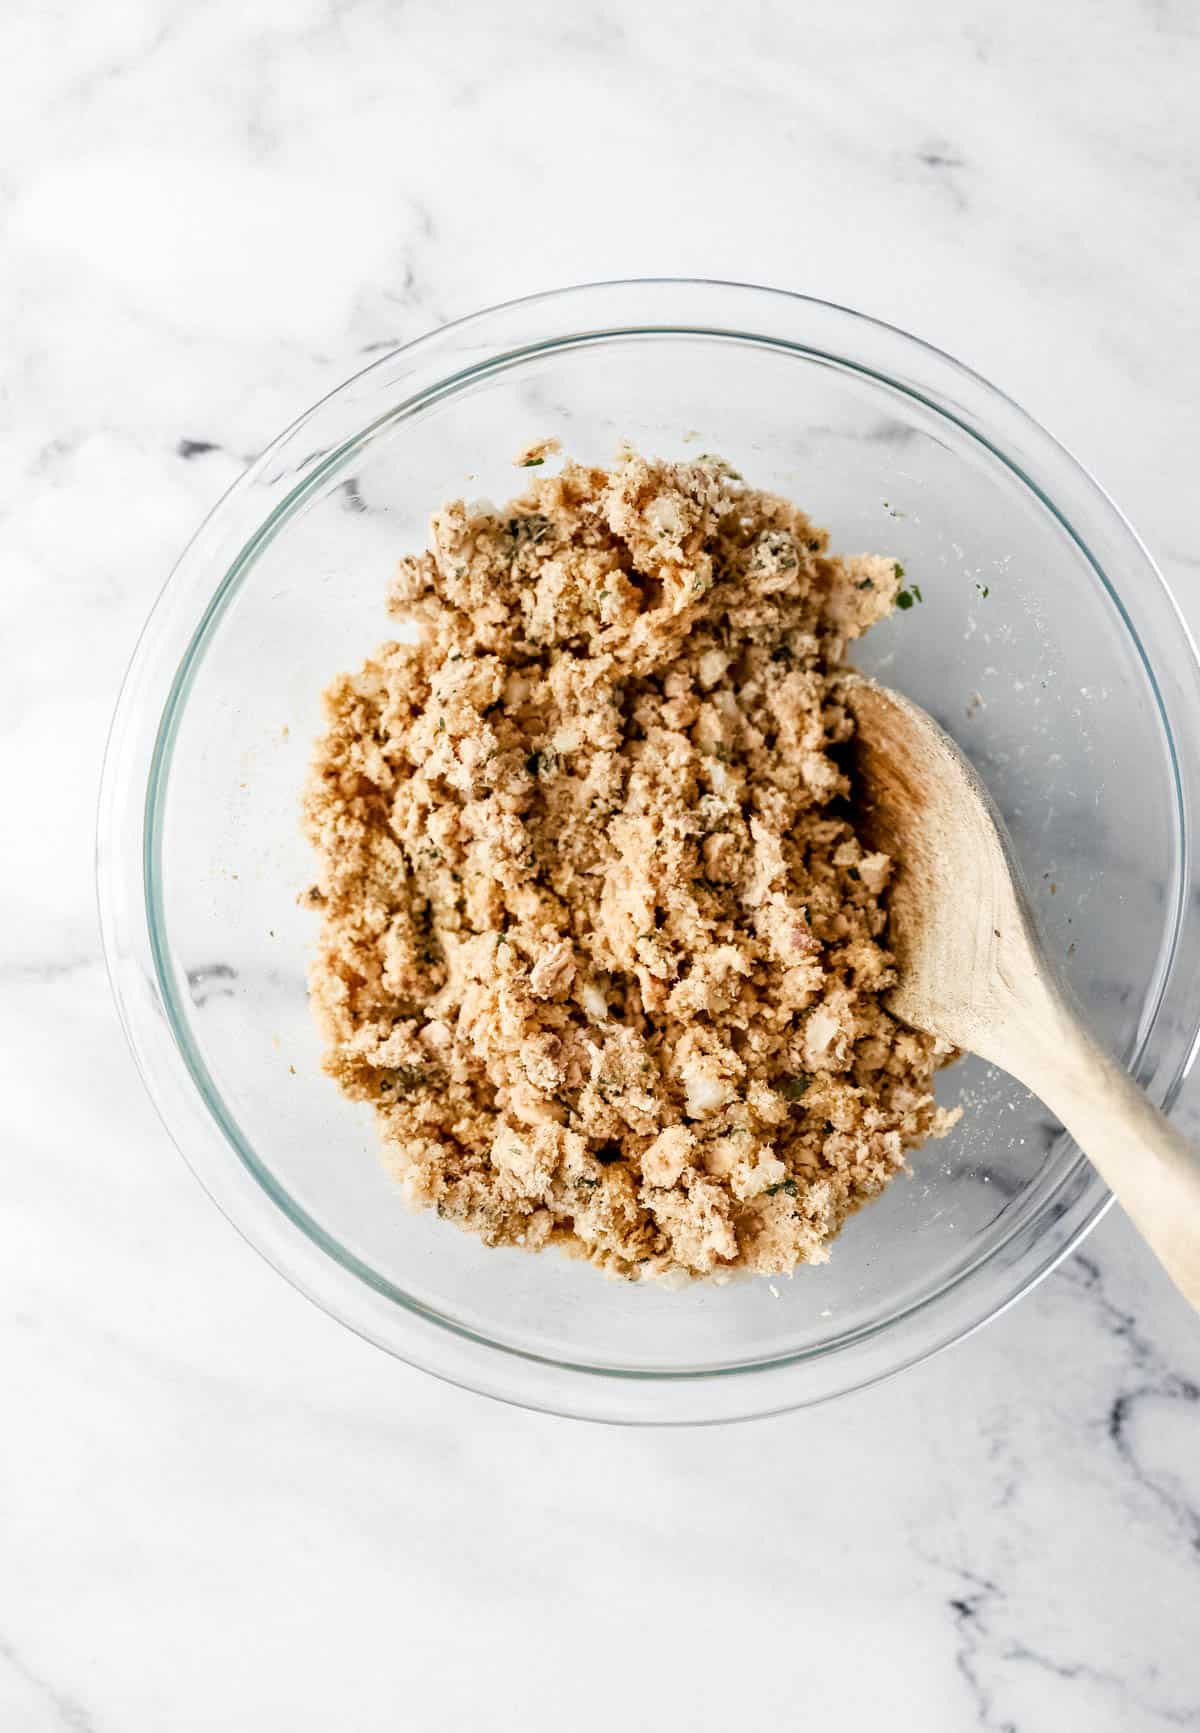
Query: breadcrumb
{"type": "Point", "coordinates": [599, 941]}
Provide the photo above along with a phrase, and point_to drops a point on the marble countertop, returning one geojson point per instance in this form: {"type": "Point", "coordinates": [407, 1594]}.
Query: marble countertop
{"type": "Point", "coordinates": [218, 1509]}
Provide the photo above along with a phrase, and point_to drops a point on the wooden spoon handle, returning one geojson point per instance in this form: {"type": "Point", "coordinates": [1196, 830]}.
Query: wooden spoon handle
{"type": "Point", "coordinates": [1152, 1170]}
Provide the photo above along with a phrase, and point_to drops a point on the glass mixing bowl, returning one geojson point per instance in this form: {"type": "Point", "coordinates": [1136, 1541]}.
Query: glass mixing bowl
{"type": "Point", "coordinates": [1045, 641]}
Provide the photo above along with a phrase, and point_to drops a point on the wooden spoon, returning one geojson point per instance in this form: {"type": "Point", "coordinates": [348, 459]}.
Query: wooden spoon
{"type": "Point", "coordinates": [972, 969]}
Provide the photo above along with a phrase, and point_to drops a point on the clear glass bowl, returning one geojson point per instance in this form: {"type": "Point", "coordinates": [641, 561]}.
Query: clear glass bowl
{"type": "Point", "coordinates": [1046, 643]}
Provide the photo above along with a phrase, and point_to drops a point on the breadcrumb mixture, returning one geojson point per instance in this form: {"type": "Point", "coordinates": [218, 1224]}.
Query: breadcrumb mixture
{"type": "Point", "coordinates": [599, 941]}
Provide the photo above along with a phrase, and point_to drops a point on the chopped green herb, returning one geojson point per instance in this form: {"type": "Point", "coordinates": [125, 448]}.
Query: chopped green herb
{"type": "Point", "coordinates": [441, 727]}
{"type": "Point", "coordinates": [532, 462]}
{"type": "Point", "coordinates": [916, 590]}
{"type": "Point", "coordinates": [985, 590]}
{"type": "Point", "coordinates": [899, 569]}
{"type": "Point", "coordinates": [904, 600]}
{"type": "Point", "coordinates": [867, 584]}
{"type": "Point", "coordinates": [854, 873]}
{"type": "Point", "coordinates": [787, 1185]}
{"type": "Point", "coordinates": [794, 1087]}
{"type": "Point", "coordinates": [407, 1078]}
{"type": "Point", "coordinates": [525, 531]}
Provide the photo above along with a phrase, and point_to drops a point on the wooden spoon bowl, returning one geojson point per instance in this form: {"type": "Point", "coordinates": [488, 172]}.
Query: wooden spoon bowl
{"type": "Point", "coordinates": [972, 969]}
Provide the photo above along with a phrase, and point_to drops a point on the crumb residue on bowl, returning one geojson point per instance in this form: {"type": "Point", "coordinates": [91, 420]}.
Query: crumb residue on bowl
{"type": "Point", "coordinates": [599, 940]}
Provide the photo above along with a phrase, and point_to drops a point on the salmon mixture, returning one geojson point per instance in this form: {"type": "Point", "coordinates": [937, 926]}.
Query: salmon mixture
{"type": "Point", "coordinates": [599, 942]}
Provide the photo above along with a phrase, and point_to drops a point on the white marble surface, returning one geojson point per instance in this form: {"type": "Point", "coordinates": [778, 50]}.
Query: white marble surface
{"type": "Point", "coordinates": [218, 1510]}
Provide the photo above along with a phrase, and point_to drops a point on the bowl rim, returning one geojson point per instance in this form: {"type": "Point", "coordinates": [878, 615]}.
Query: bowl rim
{"type": "Point", "coordinates": [134, 780]}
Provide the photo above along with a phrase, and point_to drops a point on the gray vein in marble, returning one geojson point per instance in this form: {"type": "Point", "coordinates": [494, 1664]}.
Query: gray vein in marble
{"type": "Point", "coordinates": [1158, 1382]}
{"type": "Point", "coordinates": [81, 93]}
{"type": "Point", "coordinates": [945, 165]}
{"type": "Point", "coordinates": [211, 981]}
{"type": "Point", "coordinates": [941, 159]}
{"type": "Point", "coordinates": [883, 432]}
{"type": "Point", "coordinates": [972, 1617]}
{"type": "Point", "coordinates": [1175, 18]}
{"type": "Point", "coordinates": [45, 970]}
{"type": "Point", "coordinates": [415, 293]}
{"type": "Point", "coordinates": [1007, 1185]}
{"type": "Point", "coordinates": [984, 1610]}
{"type": "Point", "coordinates": [352, 498]}
{"type": "Point", "coordinates": [69, 1713]}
